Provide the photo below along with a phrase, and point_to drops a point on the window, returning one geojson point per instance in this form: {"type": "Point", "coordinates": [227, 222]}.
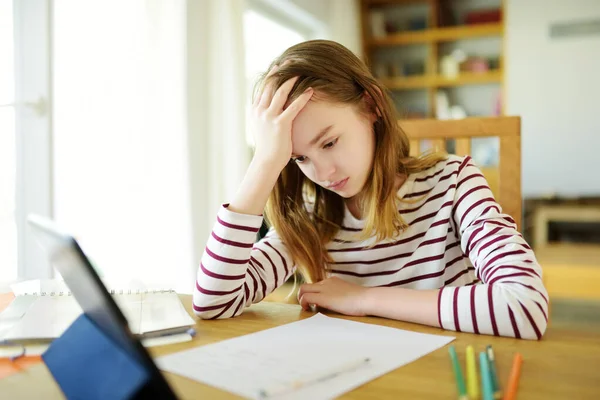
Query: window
{"type": "Point", "coordinates": [120, 161]}
{"type": "Point", "coordinates": [8, 227]}
{"type": "Point", "coordinates": [25, 167]}
{"type": "Point", "coordinates": [264, 39]}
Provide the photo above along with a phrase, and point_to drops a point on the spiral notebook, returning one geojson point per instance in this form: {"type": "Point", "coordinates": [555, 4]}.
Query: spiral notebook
{"type": "Point", "coordinates": [43, 310]}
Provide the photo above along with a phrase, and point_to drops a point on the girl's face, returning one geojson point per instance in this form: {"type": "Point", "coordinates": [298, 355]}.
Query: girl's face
{"type": "Point", "coordinates": [333, 144]}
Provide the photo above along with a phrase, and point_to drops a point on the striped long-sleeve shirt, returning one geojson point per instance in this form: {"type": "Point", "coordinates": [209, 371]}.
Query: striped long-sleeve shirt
{"type": "Point", "coordinates": [458, 241]}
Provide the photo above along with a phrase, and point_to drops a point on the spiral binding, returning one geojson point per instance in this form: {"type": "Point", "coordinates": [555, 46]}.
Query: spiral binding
{"type": "Point", "coordinates": [112, 292]}
{"type": "Point", "coordinates": [143, 291]}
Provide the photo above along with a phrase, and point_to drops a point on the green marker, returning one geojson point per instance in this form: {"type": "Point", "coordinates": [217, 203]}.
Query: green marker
{"type": "Point", "coordinates": [494, 373]}
{"type": "Point", "coordinates": [486, 379]}
{"type": "Point", "coordinates": [458, 375]}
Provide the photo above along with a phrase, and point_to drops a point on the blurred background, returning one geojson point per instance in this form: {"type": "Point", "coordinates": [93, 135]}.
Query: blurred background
{"type": "Point", "coordinates": [125, 120]}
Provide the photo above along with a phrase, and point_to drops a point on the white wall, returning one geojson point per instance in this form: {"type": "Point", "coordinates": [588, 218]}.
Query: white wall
{"type": "Point", "coordinates": [341, 20]}
{"type": "Point", "coordinates": [317, 8]}
{"type": "Point", "coordinates": [345, 24]}
{"type": "Point", "coordinates": [554, 85]}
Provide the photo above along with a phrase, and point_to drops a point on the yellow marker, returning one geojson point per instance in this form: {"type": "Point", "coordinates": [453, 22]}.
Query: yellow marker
{"type": "Point", "coordinates": [472, 383]}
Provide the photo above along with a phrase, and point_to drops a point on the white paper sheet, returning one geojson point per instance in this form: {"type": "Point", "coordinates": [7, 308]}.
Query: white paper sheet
{"type": "Point", "coordinates": [13, 313]}
{"type": "Point", "coordinates": [279, 356]}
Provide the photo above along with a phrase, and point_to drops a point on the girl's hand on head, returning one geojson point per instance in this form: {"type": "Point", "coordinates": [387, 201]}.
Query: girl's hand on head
{"type": "Point", "coordinates": [334, 294]}
{"type": "Point", "coordinates": [271, 125]}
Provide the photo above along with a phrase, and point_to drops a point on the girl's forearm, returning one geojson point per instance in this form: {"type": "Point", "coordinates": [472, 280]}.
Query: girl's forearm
{"type": "Point", "coordinates": [410, 305]}
{"type": "Point", "coordinates": [253, 193]}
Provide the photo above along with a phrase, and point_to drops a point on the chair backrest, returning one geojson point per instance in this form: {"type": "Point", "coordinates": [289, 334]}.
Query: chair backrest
{"type": "Point", "coordinates": [506, 183]}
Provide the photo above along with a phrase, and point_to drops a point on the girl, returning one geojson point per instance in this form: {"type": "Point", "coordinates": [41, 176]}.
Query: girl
{"type": "Point", "coordinates": [373, 231]}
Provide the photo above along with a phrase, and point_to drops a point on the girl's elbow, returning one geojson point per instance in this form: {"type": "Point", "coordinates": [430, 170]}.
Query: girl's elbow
{"type": "Point", "coordinates": [203, 310]}
{"type": "Point", "coordinates": [531, 320]}
{"type": "Point", "coordinates": [534, 333]}
{"type": "Point", "coordinates": [215, 307]}
{"type": "Point", "coordinates": [203, 314]}
{"type": "Point", "coordinates": [527, 316]}
{"type": "Point", "coordinates": [213, 314]}
{"type": "Point", "coordinates": [218, 313]}
{"type": "Point", "coordinates": [542, 325]}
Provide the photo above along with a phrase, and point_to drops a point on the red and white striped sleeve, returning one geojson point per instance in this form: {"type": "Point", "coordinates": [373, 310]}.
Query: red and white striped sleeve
{"type": "Point", "coordinates": [512, 300]}
{"type": "Point", "coordinates": [236, 272]}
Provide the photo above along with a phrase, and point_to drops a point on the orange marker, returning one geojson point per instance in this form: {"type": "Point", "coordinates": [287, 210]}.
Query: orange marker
{"type": "Point", "coordinates": [513, 380]}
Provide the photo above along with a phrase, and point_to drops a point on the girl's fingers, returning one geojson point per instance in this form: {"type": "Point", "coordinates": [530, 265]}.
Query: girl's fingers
{"type": "Point", "coordinates": [256, 101]}
{"type": "Point", "coordinates": [306, 288]}
{"type": "Point", "coordinates": [267, 93]}
{"type": "Point", "coordinates": [281, 96]}
{"type": "Point", "coordinates": [303, 303]}
{"type": "Point", "coordinates": [309, 288]}
{"type": "Point", "coordinates": [297, 105]}
{"type": "Point", "coordinates": [309, 299]}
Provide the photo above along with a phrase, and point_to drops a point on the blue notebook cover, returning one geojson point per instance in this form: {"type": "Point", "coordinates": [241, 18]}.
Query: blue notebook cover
{"type": "Point", "coordinates": [87, 364]}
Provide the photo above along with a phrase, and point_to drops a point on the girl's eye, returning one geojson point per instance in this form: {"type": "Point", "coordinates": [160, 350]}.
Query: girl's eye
{"type": "Point", "coordinates": [330, 144]}
{"type": "Point", "coordinates": [299, 160]}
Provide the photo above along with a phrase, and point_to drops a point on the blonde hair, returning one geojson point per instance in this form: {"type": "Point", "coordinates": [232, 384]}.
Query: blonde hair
{"type": "Point", "coordinates": [336, 74]}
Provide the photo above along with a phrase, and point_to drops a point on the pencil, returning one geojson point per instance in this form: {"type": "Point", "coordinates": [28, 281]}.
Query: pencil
{"type": "Point", "coordinates": [310, 380]}
{"type": "Point", "coordinates": [486, 379]}
{"type": "Point", "coordinates": [471, 367]}
{"type": "Point", "coordinates": [458, 375]}
{"type": "Point", "coordinates": [494, 373]}
{"type": "Point", "coordinates": [513, 380]}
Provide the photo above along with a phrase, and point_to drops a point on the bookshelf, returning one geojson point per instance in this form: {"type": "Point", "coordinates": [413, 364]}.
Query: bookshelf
{"type": "Point", "coordinates": [412, 47]}
{"type": "Point", "coordinates": [434, 35]}
{"type": "Point", "coordinates": [436, 81]}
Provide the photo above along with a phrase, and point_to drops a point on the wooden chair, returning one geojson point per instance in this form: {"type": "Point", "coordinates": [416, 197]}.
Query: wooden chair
{"type": "Point", "coordinates": [505, 181]}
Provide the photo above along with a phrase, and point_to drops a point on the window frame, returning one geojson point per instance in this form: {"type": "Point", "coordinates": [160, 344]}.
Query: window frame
{"type": "Point", "coordinates": [33, 130]}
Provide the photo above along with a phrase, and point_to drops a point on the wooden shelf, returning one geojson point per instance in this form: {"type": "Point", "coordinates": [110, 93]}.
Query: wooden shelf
{"type": "Point", "coordinates": [432, 40]}
{"type": "Point", "coordinates": [471, 78]}
{"type": "Point", "coordinates": [433, 81]}
{"type": "Point", "coordinates": [409, 82]}
{"type": "Point", "coordinates": [379, 3]}
{"type": "Point", "coordinates": [469, 31]}
{"type": "Point", "coordinates": [439, 35]}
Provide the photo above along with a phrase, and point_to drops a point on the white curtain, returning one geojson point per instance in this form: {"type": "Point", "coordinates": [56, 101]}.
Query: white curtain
{"type": "Point", "coordinates": [121, 174]}
{"type": "Point", "coordinates": [229, 155]}
{"type": "Point", "coordinates": [216, 84]}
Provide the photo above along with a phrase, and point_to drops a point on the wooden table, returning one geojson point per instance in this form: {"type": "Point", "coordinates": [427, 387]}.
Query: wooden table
{"type": "Point", "coordinates": [565, 364]}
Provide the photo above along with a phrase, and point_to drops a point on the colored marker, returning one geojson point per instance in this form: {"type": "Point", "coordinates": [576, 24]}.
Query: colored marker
{"type": "Point", "coordinates": [458, 375]}
{"type": "Point", "coordinates": [513, 380]}
{"type": "Point", "coordinates": [494, 373]}
{"type": "Point", "coordinates": [486, 379]}
{"type": "Point", "coordinates": [472, 381]}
